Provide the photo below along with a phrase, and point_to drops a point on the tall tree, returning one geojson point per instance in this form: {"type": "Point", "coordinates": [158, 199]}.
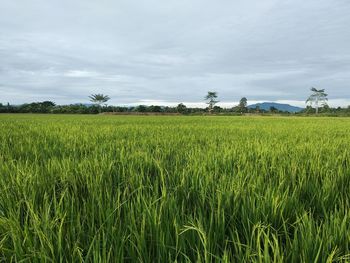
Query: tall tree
{"type": "Point", "coordinates": [317, 97]}
{"type": "Point", "coordinates": [211, 100]}
{"type": "Point", "coordinates": [181, 108]}
{"type": "Point", "coordinates": [99, 99]}
{"type": "Point", "coordinates": [243, 104]}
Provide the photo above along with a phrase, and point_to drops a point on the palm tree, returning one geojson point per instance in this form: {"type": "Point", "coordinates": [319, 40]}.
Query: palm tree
{"type": "Point", "coordinates": [210, 98]}
{"type": "Point", "coordinates": [99, 98]}
{"type": "Point", "coordinates": [318, 96]}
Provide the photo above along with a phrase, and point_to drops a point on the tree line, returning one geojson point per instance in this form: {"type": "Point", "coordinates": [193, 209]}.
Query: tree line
{"type": "Point", "coordinates": [316, 104]}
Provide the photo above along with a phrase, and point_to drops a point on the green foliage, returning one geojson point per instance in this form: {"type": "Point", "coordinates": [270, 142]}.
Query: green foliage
{"type": "Point", "coordinates": [174, 189]}
{"type": "Point", "coordinates": [317, 97]}
{"type": "Point", "coordinates": [243, 103]}
{"type": "Point", "coordinates": [211, 100]}
{"type": "Point", "coordinates": [181, 108]}
{"type": "Point", "coordinates": [273, 109]}
{"type": "Point", "coordinates": [50, 107]}
{"type": "Point", "coordinates": [140, 108]}
{"type": "Point", "coordinates": [38, 107]}
{"type": "Point", "coordinates": [99, 98]}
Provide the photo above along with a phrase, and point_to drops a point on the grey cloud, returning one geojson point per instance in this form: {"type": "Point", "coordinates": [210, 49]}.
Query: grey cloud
{"type": "Point", "coordinates": [173, 51]}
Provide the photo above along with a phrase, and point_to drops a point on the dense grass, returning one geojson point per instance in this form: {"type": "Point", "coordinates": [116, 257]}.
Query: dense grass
{"type": "Point", "coordinates": [165, 189]}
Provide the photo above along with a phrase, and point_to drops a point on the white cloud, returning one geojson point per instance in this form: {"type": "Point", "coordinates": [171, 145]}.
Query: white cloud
{"type": "Point", "coordinates": [81, 74]}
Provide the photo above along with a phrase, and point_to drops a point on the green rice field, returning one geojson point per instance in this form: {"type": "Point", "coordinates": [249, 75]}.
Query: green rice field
{"type": "Point", "coordinates": [97, 188]}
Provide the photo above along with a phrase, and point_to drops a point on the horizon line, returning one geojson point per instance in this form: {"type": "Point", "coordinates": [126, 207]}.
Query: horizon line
{"type": "Point", "coordinates": [334, 103]}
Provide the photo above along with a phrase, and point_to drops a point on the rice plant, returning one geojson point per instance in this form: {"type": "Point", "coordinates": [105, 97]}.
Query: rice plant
{"type": "Point", "coordinates": [174, 189]}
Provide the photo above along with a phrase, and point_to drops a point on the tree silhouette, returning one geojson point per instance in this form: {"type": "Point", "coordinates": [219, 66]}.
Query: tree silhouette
{"type": "Point", "coordinates": [181, 108]}
{"type": "Point", "coordinates": [317, 97]}
{"type": "Point", "coordinates": [243, 104]}
{"type": "Point", "coordinates": [99, 98]}
{"type": "Point", "coordinates": [211, 100]}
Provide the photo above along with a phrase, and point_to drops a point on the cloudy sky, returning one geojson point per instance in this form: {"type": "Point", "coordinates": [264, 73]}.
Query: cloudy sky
{"type": "Point", "coordinates": [171, 51]}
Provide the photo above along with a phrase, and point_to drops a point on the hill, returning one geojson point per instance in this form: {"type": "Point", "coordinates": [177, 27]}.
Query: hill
{"type": "Point", "coordinates": [279, 106]}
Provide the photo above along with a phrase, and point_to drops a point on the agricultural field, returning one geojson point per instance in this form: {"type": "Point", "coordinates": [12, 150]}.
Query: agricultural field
{"type": "Point", "coordinates": [174, 189]}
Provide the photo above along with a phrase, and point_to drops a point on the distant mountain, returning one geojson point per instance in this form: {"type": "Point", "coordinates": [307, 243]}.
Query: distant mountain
{"type": "Point", "coordinates": [282, 107]}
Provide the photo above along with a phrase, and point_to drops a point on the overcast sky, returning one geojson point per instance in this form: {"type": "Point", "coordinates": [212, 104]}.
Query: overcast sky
{"type": "Point", "coordinates": [171, 51]}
